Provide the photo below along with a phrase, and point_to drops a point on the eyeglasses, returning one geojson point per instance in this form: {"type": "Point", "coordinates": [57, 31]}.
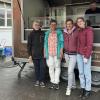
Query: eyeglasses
{"type": "Point", "coordinates": [36, 24]}
{"type": "Point", "coordinates": [53, 24]}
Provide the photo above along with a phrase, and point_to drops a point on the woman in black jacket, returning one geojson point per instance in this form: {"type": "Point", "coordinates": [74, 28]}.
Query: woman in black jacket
{"type": "Point", "coordinates": [35, 50]}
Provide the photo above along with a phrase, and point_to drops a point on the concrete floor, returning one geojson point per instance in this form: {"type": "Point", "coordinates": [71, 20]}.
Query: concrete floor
{"type": "Point", "coordinates": [12, 88]}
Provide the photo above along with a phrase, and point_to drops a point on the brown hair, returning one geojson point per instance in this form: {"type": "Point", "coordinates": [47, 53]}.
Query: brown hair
{"type": "Point", "coordinates": [53, 21]}
{"type": "Point", "coordinates": [67, 20]}
{"type": "Point", "coordinates": [93, 1]}
{"type": "Point", "coordinates": [82, 18]}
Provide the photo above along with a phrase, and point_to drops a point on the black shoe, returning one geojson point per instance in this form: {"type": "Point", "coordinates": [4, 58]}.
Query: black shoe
{"type": "Point", "coordinates": [82, 92]}
{"type": "Point", "coordinates": [51, 86]}
{"type": "Point", "coordinates": [86, 95]}
{"type": "Point", "coordinates": [56, 86]}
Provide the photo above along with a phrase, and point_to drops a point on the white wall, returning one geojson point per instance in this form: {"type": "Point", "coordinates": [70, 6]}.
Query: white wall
{"type": "Point", "coordinates": [6, 36]}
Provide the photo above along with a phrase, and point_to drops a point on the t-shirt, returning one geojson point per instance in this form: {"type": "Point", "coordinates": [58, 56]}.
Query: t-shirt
{"type": "Point", "coordinates": [52, 43]}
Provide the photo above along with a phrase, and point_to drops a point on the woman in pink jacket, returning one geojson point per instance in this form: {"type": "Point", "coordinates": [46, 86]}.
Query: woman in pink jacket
{"type": "Point", "coordinates": [85, 43]}
{"type": "Point", "coordinates": [70, 48]}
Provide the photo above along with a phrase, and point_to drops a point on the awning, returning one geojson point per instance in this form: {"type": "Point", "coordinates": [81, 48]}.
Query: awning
{"type": "Point", "coordinates": [54, 3]}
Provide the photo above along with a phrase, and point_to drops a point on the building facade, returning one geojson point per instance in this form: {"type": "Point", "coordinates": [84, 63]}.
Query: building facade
{"type": "Point", "coordinates": [5, 23]}
{"type": "Point", "coordinates": [43, 9]}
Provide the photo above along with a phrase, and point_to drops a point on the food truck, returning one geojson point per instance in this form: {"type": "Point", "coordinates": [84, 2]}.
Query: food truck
{"type": "Point", "coordinates": [25, 11]}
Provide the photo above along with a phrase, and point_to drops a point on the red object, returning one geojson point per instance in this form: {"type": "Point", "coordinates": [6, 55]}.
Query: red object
{"type": "Point", "coordinates": [85, 41]}
{"type": "Point", "coordinates": [70, 41]}
{"type": "Point", "coordinates": [52, 44]}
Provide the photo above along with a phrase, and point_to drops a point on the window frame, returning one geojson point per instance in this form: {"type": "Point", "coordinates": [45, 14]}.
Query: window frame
{"type": "Point", "coordinates": [5, 16]}
{"type": "Point", "coordinates": [22, 24]}
{"type": "Point", "coordinates": [96, 44]}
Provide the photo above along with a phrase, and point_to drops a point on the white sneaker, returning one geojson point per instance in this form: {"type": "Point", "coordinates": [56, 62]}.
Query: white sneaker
{"type": "Point", "coordinates": [68, 91]}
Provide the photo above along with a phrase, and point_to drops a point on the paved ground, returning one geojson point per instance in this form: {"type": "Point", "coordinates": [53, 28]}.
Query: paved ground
{"type": "Point", "coordinates": [12, 88]}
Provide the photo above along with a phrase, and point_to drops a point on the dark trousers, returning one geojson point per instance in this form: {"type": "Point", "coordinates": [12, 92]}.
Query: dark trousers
{"type": "Point", "coordinates": [39, 65]}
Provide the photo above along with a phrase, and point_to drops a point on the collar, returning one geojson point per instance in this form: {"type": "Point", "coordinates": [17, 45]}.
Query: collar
{"type": "Point", "coordinates": [66, 31]}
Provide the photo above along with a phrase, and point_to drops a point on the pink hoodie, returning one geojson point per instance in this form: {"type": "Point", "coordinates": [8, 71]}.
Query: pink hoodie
{"type": "Point", "coordinates": [85, 41]}
{"type": "Point", "coordinates": [70, 41]}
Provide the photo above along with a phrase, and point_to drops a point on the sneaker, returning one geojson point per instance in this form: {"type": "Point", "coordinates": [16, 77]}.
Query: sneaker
{"type": "Point", "coordinates": [56, 86]}
{"type": "Point", "coordinates": [36, 83]}
{"type": "Point", "coordinates": [51, 86]}
{"type": "Point", "coordinates": [68, 91]}
{"type": "Point", "coordinates": [42, 84]}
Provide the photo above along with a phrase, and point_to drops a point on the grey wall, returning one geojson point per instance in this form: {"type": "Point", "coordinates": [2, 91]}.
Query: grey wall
{"type": "Point", "coordinates": [31, 9]}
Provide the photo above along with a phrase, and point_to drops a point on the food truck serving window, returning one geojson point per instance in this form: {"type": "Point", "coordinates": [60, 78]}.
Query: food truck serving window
{"type": "Point", "coordinates": [95, 23]}
{"type": "Point", "coordinates": [96, 35]}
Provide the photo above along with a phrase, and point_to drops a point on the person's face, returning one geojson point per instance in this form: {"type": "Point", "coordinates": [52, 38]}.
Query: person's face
{"type": "Point", "coordinates": [36, 26]}
{"type": "Point", "coordinates": [80, 23]}
{"type": "Point", "coordinates": [93, 6]}
{"type": "Point", "coordinates": [53, 26]}
{"type": "Point", "coordinates": [69, 25]}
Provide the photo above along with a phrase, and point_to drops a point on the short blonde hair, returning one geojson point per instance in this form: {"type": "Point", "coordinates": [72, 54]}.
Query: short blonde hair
{"type": "Point", "coordinates": [37, 21]}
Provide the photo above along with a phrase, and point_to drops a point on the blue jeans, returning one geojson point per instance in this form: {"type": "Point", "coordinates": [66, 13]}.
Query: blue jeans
{"type": "Point", "coordinates": [84, 72]}
{"type": "Point", "coordinates": [39, 65]}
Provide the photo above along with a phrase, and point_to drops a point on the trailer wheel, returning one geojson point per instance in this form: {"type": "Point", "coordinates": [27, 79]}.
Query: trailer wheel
{"type": "Point", "coordinates": [95, 79]}
{"type": "Point", "coordinates": [64, 73]}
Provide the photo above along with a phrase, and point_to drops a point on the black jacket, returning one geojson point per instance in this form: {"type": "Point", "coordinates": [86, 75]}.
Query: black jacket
{"type": "Point", "coordinates": [89, 11]}
{"type": "Point", "coordinates": [35, 44]}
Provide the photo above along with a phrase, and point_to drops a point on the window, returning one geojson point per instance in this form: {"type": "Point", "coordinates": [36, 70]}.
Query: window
{"type": "Point", "coordinates": [97, 35]}
{"type": "Point", "coordinates": [2, 17]}
{"type": "Point", "coordinates": [8, 1]}
{"type": "Point", "coordinates": [5, 15]}
{"type": "Point", "coordinates": [9, 19]}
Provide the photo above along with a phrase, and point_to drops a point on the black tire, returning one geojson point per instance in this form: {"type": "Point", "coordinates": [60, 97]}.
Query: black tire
{"type": "Point", "coordinates": [64, 73]}
{"type": "Point", "coordinates": [95, 79]}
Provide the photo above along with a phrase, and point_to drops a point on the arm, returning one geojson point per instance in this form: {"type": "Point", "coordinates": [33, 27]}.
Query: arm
{"type": "Point", "coordinates": [29, 45]}
{"type": "Point", "coordinates": [62, 45]}
{"type": "Point", "coordinates": [45, 45]}
{"type": "Point", "coordinates": [62, 40]}
{"type": "Point", "coordinates": [89, 38]}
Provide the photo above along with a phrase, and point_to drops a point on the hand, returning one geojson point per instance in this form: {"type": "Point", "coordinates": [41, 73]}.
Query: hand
{"type": "Point", "coordinates": [61, 54]}
{"type": "Point", "coordinates": [44, 54]}
{"type": "Point", "coordinates": [85, 60]}
{"type": "Point", "coordinates": [30, 59]}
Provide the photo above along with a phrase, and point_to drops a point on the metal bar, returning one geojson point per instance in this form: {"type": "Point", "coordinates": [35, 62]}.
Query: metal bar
{"type": "Point", "coordinates": [22, 67]}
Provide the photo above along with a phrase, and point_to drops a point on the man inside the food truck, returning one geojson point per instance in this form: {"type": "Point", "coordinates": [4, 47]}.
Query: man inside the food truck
{"type": "Point", "coordinates": [93, 8]}
{"type": "Point", "coordinates": [92, 14]}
